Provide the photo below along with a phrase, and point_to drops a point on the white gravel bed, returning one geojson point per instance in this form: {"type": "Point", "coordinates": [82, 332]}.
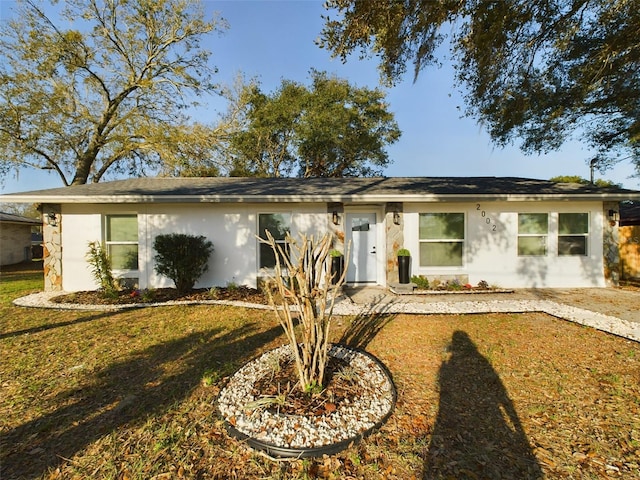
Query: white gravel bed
{"type": "Point", "coordinates": [588, 318]}
{"type": "Point", "coordinates": [600, 321]}
{"type": "Point", "coordinates": [348, 422]}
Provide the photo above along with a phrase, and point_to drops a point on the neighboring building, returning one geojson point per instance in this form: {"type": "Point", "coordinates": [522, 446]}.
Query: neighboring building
{"type": "Point", "coordinates": [629, 239]}
{"type": "Point", "coordinates": [511, 232]}
{"type": "Point", "coordinates": [15, 238]}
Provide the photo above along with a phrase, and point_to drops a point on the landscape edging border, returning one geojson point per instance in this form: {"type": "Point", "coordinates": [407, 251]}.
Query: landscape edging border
{"type": "Point", "coordinates": [329, 449]}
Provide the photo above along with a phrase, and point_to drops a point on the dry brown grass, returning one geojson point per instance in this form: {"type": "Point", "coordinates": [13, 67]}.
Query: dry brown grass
{"type": "Point", "coordinates": [132, 395]}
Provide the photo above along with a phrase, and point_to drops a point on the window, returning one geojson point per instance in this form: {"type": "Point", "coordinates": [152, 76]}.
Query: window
{"type": "Point", "coordinates": [441, 237]}
{"type": "Point", "coordinates": [573, 230]}
{"type": "Point", "coordinates": [122, 241]}
{"type": "Point", "coordinates": [279, 225]}
{"type": "Point", "coordinates": [533, 229]}
{"type": "Point", "coordinates": [360, 224]}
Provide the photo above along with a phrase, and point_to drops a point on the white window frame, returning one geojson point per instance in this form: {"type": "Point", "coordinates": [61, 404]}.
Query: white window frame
{"type": "Point", "coordinates": [109, 243]}
{"type": "Point", "coordinates": [282, 242]}
{"type": "Point", "coordinates": [462, 240]}
{"type": "Point", "coordinates": [543, 236]}
{"type": "Point", "coordinates": [586, 235]}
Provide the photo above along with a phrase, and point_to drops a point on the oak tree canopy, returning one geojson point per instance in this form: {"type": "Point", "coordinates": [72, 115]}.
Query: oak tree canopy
{"type": "Point", "coordinates": [95, 86]}
{"type": "Point", "coordinates": [327, 129]}
{"type": "Point", "coordinates": [537, 71]}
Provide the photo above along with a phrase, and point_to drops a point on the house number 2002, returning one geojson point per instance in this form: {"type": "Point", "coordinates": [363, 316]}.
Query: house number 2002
{"type": "Point", "coordinates": [487, 220]}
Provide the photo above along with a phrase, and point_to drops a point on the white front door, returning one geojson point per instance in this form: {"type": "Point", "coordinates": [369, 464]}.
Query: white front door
{"type": "Point", "coordinates": [361, 232]}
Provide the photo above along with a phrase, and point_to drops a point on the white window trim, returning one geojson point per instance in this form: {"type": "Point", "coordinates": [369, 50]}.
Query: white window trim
{"type": "Point", "coordinates": [586, 235]}
{"type": "Point", "coordinates": [269, 270]}
{"type": "Point", "coordinates": [463, 241]}
{"type": "Point", "coordinates": [546, 235]}
{"type": "Point", "coordinates": [123, 272]}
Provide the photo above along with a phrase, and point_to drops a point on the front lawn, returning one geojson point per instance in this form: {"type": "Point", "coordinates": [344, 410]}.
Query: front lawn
{"type": "Point", "coordinates": [131, 395]}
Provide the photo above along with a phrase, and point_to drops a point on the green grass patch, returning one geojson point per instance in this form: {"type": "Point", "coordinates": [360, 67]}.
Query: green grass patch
{"type": "Point", "coordinates": [131, 394]}
{"type": "Point", "coordinates": [18, 280]}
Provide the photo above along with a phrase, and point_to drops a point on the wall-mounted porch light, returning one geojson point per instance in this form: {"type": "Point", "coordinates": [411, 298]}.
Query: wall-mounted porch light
{"type": "Point", "coordinates": [396, 217]}
{"type": "Point", "coordinates": [335, 218]}
{"type": "Point", "coordinates": [52, 219]}
{"type": "Point", "coordinates": [614, 215]}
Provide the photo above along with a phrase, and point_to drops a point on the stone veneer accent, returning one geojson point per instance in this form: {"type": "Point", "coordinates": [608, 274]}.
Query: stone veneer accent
{"type": "Point", "coordinates": [337, 231]}
{"type": "Point", "coordinates": [611, 249]}
{"type": "Point", "coordinates": [395, 239]}
{"type": "Point", "coordinates": [52, 248]}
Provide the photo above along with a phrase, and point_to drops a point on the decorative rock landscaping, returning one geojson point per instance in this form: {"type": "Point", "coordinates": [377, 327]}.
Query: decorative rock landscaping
{"type": "Point", "coordinates": [379, 304]}
{"type": "Point", "coordinates": [285, 435]}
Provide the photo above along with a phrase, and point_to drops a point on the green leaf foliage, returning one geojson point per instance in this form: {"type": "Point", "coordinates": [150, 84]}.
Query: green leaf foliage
{"type": "Point", "coordinates": [327, 129]}
{"type": "Point", "coordinates": [182, 258]}
{"type": "Point", "coordinates": [536, 71]}
{"type": "Point", "coordinates": [101, 269]}
{"type": "Point", "coordinates": [91, 87]}
{"type": "Point", "coordinates": [599, 182]}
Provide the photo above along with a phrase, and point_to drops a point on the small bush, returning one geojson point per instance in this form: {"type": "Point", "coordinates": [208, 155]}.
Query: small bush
{"type": "Point", "coordinates": [148, 295]}
{"type": "Point", "coordinates": [421, 282]}
{"type": "Point", "coordinates": [303, 303]}
{"type": "Point", "coordinates": [101, 268]}
{"type": "Point", "coordinates": [182, 258]}
{"type": "Point", "coordinates": [454, 285]}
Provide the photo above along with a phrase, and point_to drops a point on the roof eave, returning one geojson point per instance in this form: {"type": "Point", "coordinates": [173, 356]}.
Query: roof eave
{"type": "Point", "coordinates": [376, 198]}
{"type": "Point", "coordinates": [24, 224]}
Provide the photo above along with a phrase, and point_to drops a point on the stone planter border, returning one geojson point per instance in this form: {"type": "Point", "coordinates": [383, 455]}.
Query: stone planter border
{"type": "Point", "coordinates": [331, 448]}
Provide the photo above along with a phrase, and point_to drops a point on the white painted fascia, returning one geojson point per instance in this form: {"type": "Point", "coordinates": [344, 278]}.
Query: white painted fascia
{"type": "Point", "coordinates": [104, 199]}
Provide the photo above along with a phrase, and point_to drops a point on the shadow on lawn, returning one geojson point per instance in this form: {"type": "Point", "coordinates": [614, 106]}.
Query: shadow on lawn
{"type": "Point", "coordinates": [124, 392]}
{"type": "Point", "coordinates": [366, 325]}
{"type": "Point", "coordinates": [477, 432]}
{"type": "Point", "coordinates": [51, 326]}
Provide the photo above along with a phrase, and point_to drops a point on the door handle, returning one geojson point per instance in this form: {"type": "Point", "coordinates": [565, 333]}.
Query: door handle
{"type": "Point", "coordinates": [374, 249]}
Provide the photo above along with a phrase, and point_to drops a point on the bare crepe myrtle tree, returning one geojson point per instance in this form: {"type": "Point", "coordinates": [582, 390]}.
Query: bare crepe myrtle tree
{"type": "Point", "coordinates": [300, 291]}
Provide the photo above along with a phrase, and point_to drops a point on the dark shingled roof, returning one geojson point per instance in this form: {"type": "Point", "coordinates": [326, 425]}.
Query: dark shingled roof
{"type": "Point", "coordinates": [12, 218]}
{"type": "Point", "coordinates": [217, 189]}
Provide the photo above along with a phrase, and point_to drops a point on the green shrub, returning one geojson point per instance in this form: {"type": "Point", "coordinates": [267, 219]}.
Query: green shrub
{"type": "Point", "coordinates": [101, 268]}
{"type": "Point", "coordinates": [148, 295]}
{"type": "Point", "coordinates": [182, 258]}
{"type": "Point", "coordinates": [420, 281]}
{"type": "Point", "coordinates": [403, 252]}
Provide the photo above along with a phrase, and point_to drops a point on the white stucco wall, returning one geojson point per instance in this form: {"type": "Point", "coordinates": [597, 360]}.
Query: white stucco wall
{"type": "Point", "coordinates": [490, 251]}
{"type": "Point", "coordinates": [231, 228]}
{"type": "Point", "coordinates": [80, 225]}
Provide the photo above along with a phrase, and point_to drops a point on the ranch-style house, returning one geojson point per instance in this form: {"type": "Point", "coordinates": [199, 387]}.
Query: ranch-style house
{"type": "Point", "coordinates": [510, 232]}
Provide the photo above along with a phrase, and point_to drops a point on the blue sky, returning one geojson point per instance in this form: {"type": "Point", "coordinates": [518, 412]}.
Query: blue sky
{"type": "Point", "coordinates": [274, 40]}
